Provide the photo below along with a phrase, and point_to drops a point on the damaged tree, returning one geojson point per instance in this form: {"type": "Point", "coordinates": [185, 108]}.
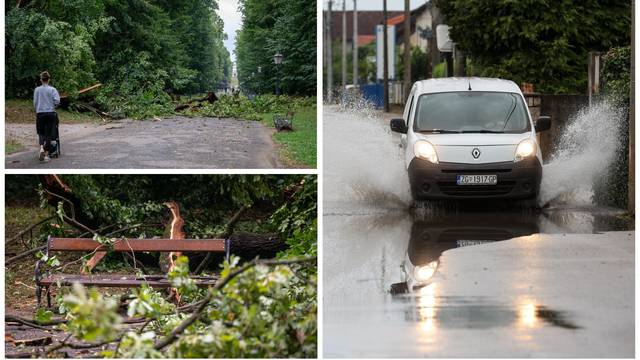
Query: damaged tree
{"type": "Point", "coordinates": [196, 103]}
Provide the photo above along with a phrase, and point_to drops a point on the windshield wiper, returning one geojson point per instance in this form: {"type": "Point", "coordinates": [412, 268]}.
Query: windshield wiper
{"type": "Point", "coordinates": [483, 131]}
{"type": "Point", "coordinates": [439, 131]}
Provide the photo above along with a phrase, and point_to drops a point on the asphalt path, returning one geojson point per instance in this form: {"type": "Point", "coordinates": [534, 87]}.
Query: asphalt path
{"type": "Point", "coordinates": [177, 142]}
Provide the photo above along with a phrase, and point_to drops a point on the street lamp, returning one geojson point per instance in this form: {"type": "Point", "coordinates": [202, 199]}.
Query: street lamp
{"type": "Point", "coordinates": [277, 59]}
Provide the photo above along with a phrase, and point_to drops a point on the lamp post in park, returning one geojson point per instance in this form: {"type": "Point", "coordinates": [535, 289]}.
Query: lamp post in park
{"type": "Point", "coordinates": [277, 59]}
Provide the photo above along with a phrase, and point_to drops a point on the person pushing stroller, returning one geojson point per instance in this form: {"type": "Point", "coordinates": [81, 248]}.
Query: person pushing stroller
{"type": "Point", "coordinates": [45, 100]}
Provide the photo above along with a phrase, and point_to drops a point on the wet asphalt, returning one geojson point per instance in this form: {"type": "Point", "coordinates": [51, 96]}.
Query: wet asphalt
{"type": "Point", "coordinates": [177, 142]}
{"type": "Point", "coordinates": [483, 279]}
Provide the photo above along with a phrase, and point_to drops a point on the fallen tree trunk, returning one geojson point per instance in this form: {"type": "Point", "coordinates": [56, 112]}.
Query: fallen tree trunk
{"type": "Point", "coordinates": [210, 98]}
{"type": "Point", "coordinates": [248, 246]}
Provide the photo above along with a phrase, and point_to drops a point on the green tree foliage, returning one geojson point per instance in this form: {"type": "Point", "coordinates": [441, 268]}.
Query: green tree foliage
{"type": "Point", "coordinates": [418, 64]}
{"type": "Point", "coordinates": [206, 200]}
{"type": "Point", "coordinates": [540, 42]}
{"type": "Point", "coordinates": [277, 26]}
{"type": "Point", "coordinates": [616, 87]}
{"type": "Point", "coordinates": [57, 36]}
{"type": "Point", "coordinates": [138, 49]}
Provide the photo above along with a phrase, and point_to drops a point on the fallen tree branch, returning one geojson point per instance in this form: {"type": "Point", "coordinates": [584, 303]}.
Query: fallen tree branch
{"type": "Point", "coordinates": [23, 321]}
{"type": "Point", "coordinates": [210, 98]}
{"type": "Point", "coordinates": [101, 114]}
{"type": "Point", "coordinates": [24, 254]}
{"type": "Point", "coordinates": [26, 230]}
{"type": "Point", "coordinates": [219, 285]}
{"type": "Point", "coordinates": [227, 232]}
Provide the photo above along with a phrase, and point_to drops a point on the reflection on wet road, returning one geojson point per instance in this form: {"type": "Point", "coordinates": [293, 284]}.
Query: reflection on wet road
{"type": "Point", "coordinates": [401, 281]}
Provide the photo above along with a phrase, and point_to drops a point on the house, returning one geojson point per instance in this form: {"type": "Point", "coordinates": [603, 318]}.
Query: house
{"type": "Point", "coordinates": [367, 21]}
{"type": "Point", "coordinates": [424, 20]}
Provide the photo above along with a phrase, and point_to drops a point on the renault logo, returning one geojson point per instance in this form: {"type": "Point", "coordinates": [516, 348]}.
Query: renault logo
{"type": "Point", "coordinates": [475, 153]}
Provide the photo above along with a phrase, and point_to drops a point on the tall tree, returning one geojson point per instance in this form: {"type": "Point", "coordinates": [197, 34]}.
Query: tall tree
{"type": "Point", "coordinates": [541, 42]}
{"type": "Point", "coordinates": [268, 28]}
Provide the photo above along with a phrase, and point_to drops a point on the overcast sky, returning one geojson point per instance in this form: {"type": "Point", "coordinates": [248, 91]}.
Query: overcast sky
{"type": "Point", "coordinates": [232, 22]}
{"type": "Point", "coordinates": [392, 5]}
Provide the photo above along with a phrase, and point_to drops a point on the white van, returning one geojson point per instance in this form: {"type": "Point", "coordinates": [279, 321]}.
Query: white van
{"type": "Point", "coordinates": [470, 138]}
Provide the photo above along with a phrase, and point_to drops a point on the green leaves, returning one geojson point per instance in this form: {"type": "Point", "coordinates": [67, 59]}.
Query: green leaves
{"type": "Point", "coordinates": [43, 315]}
{"type": "Point", "coordinates": [51, 261]}
{"type": "Point", "coordinates": [540, 42]}
{"type": "Point", "coordinates": [138, 49]}
{"type": "Point", "coordinates": [264, 312]}
{"type": "Point", "coordinates": [139, 346]}
{"type": "Point", "coordinates": [148, 303]}
{"type": "Point", "coordinates": [296, 220]}
{"type": "Point", "coordinates": [179, 277]}
{"type": "Point", "coordinates": [91, 316]}
{"type": "Point", "coordinates": [277, 26]}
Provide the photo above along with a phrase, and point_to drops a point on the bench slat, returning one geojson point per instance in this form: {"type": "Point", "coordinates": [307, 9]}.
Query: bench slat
{"type": "Point", "coordinates": [124, 245]}
{"type": "Point", "coordinates": [121, 281]}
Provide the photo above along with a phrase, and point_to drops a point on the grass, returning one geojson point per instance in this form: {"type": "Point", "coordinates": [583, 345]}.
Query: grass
{"type": "Point", "coordinates": [20, 111]}
{"type": "Point", "coordinates": [11, 146]}
{"type": "Point", "coordinates": [297, 147]}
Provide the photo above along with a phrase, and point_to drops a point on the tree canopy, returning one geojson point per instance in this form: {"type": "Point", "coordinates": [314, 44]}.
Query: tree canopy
{"type": "Point", "coordinates": [540, 42]}
{"type": "Point", "coordinates": [277, 26]}
{"type": "Point", "coordinates": [137, 48]}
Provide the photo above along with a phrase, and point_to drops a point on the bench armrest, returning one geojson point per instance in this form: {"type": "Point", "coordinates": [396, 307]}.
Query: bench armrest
{"type": "Point", "coordinates": [40, 263]}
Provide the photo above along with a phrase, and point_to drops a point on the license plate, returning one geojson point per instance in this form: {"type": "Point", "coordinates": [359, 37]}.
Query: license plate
{"type": "Point", "coordinates": [463, 243]}
{"type": "Point", "coordinates": [477, 179]}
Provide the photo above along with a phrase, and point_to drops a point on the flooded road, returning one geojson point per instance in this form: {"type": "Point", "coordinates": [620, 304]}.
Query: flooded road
{"type": "Point", "coordinates": [468, 280]}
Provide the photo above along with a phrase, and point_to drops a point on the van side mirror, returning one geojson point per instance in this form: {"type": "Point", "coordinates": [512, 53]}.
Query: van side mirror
{"type": "Point", "coordinates": [398, 125]}
{"type": "Point", "coordinates": [543, 123]}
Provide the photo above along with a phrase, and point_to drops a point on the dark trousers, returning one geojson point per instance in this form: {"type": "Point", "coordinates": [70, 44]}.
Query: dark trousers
{"type": "Point", "coordinates": [47, 127]}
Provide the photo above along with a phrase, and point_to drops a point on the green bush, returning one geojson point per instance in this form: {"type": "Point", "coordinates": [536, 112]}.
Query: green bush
{"type": "Point", "coordinates": [541, 42]}
{"type": "Point", "coordinates": [616, 85]}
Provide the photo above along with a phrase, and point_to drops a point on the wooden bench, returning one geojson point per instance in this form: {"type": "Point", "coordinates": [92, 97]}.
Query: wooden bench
{"type": "Point", "coordinates": [44, 281]}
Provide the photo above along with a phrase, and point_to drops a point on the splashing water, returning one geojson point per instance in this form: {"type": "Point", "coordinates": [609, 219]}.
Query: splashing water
{"type": "Point", "coordinates": [588, 145]}
{"type": "Point", "coordinates": [363, 162]}
{"type": "Point", "coordinates": [352, 102]}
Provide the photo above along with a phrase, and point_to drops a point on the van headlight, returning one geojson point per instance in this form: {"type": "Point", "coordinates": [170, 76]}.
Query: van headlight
{"type": "Point", "coordinates": [424, 273]}
{"type": "Point", "coordinates": [424, 150]}
{"type": "Point", "coordinates": [525, 149]}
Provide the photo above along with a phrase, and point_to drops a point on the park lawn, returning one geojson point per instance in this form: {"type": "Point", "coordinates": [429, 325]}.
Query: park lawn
{"type": "Point", "coordinates": [11, 146]}
{"type": "Point", "coordinates": [20, 111]}
{"type": "Point", "coordinates": [297, 148]}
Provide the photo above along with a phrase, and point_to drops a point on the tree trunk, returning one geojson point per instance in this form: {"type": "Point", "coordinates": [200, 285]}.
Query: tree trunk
{"type": "Point", "coordinates": [57, 191]}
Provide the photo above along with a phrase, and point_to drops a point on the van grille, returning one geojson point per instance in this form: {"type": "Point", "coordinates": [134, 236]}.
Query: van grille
{"type": "Point", "coordinates": [484, 234]}
{"type": "Point", "coordinates": [453, 189]}
{"type": "Point", "coordinates": [471, 171]}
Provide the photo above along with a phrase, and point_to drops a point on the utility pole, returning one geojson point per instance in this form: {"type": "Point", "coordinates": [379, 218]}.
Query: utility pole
{"type": "Point", "coordinates": [329, 57]}
{"type": "Point", "coordinates": [344, 45]}
{"type": "Point", "coordinates": [355, 43]}
{"type": "Point", "coordinates": [385, 55]}
{"type": "Point", "coordinates": [407, 49]}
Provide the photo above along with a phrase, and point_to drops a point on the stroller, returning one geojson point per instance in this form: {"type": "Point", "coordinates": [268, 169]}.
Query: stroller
{"type": "Point", "coordinates": [55, 143]}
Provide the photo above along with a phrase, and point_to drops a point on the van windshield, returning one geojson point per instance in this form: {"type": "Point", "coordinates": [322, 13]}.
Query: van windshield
{"type": "Point", "coordinates": [471, 112]}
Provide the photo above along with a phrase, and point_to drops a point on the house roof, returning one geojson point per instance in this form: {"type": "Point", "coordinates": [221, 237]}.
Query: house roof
{"type": "Point", "coordinates": [396, 20]}
{"type": "Point", "coordinates": [367, 21]}
{"type": "Point", "coordinates": [364, 40]}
